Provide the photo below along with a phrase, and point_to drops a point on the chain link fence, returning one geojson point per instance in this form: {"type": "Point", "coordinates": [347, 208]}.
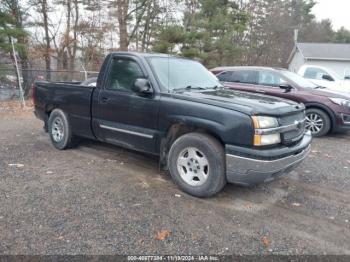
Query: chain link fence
{"type": "Point", "coordinates": [9, 83]}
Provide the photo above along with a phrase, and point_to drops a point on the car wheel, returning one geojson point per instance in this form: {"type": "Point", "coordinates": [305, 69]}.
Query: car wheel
{"type": "Point", "coordinates": [318, 122]}
{"type": "Point", "coordinates": [59, 130]}
{"type": "Point", "coordinates": [197, 164]}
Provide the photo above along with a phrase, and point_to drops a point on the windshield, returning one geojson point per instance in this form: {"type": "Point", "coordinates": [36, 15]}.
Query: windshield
{"type": "Point", "coordinates": [333, 74]}
{"type": "Point", "coordinates": [178, 73]}
{"type": "Point", "coordinates": [300, 81]}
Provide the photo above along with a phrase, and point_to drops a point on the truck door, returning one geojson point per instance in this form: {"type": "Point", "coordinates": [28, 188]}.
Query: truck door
{"type": "Point", "coordinates": [121, 116]}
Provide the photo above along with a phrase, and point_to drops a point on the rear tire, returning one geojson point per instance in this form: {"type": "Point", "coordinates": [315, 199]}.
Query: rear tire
{"type": "Point", "coordinates": [60, 130]}
{"type": "Point", "coordinates": [318, 122]}
{"type": "Point", "coordinates": [196, 163]}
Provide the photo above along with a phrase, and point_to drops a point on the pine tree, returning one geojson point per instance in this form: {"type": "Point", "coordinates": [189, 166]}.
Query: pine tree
{"type": "Point", "coordinates": [11, 27]}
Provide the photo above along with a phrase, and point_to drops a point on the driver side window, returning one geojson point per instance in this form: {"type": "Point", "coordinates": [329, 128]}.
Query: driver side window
{"type": "Point", "coordinates": [123, 73]}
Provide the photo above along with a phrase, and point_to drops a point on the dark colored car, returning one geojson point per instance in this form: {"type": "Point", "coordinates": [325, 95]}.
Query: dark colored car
{"type": "Point", "coordinates": [172, 107]}
{"type": "Point", "coordinates": [326, 110]}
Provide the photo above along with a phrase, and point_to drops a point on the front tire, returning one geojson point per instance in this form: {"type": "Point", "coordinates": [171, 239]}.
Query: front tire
{"type": "Point", "coordinates": [197, 164]}
{"type": "Point", "coordinates": [318, 122]}
{"type": "Point", "coordinates": [60, 130]}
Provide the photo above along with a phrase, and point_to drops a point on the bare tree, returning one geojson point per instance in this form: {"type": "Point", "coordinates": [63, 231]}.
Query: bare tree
{"type": "Point", "coordinates": [129, 15]}
{"type": "Point", "coordinates": [42, 7]}
{"type": "Point", "coordinates": [122, 13]}
{"type": "Point", "coordinates": [44, 11]}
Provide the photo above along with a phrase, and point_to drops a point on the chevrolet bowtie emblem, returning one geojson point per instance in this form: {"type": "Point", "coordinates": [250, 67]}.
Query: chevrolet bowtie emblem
{"type": "Point", "coordinates": [297, 123]}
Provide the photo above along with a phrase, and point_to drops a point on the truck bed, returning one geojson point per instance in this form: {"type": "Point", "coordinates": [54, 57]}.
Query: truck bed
{"type": "Point", "coordinates": [72, 98]}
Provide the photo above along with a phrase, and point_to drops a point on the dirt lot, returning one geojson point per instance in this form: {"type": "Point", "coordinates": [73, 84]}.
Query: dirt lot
{"type": "Point", "coordinates": [101, 199]}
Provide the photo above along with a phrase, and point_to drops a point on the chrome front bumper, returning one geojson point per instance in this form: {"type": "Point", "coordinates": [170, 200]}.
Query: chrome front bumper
{"type": "Point", "coordinates": [249, 171]}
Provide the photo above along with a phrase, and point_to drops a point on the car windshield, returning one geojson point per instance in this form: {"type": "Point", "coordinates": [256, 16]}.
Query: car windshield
{"type": "Point", "coordinates": [334, 74]}
{"type": "Point", "coordinates": [179, 73]}
{"type": "Point", "coordinates": [300, 81]}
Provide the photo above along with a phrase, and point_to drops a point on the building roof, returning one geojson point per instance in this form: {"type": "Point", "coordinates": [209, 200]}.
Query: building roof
{"type": "Point", "coordinates": [324, 51]}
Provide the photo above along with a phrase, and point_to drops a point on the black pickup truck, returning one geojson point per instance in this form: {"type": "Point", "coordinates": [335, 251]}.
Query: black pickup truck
{"type": "Point", "coordinates": [204, 134]}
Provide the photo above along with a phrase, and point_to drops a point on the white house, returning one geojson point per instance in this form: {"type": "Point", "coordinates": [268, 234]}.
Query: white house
{"type": "Point", "coordinates": [333, 56]}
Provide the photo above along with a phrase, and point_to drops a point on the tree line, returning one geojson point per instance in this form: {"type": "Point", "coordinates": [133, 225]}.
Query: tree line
{"type": "Point", "coordinates": [70, 34]}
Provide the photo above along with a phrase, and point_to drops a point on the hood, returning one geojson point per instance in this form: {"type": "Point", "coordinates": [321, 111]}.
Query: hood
{"type": "Point", "coordinates": [345, 84]}
{"type": "Point", "coordinates": [248, 103]}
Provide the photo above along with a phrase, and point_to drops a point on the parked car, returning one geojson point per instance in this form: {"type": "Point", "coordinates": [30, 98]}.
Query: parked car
{"type": "Point", "coordinates": [325, 110]}
{"type": "Point", "coordinates": [326, 77]}
{"type": "Point", "coordinates": [204, 134]}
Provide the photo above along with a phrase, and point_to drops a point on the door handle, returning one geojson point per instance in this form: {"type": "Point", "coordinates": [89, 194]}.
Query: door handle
{"type": "Point", "coordinates": [260, 91]}
{"type": "Point", "coordinates": [104, 100]}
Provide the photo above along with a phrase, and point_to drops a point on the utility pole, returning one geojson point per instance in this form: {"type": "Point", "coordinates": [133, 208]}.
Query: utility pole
{"type": "Point", "coordinates": [85, 72]}
{"type": "Point", "coordinates": [296, 34]}
{"type": "Point", "coordinates": [21, 94]}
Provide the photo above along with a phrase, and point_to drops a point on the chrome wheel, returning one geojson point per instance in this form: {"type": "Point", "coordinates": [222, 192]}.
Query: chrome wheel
{"type": "Point", "coordinates": [193, 166]}
{"type": "Point", "coordinates": [314, 123]}
{"type": "Point", "coordinates": [57, 129]}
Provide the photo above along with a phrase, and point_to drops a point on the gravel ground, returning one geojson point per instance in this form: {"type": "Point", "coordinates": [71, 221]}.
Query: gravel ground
{"type": "Point", "coordinates": [101, 199]}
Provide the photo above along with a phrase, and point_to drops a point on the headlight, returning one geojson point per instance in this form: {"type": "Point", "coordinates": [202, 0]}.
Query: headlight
{"type": "Point", "coordinates": [340, 101]}
{"type": "Point", "coordinates": [264, 122]}
{"type": "Point", "coordinates": [264, 140]}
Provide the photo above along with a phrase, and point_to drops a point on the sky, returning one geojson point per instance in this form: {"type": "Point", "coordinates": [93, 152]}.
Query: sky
{"type": "Point", "coordinates": [338, 11]}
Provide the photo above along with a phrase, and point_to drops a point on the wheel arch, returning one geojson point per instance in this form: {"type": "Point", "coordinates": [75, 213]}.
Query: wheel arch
{"type": "Point", "coordinates": [325, 109]}
{"type": "Point", "coordinates": [179, 129]}
{"type": "Point", "coordinates": [48, 110]}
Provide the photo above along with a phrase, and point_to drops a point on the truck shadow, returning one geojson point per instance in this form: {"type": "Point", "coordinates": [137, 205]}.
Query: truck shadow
{"type": "Point", "coordinates": [149, 166]}
{"type": "Point", "coordinates": [126, 156]}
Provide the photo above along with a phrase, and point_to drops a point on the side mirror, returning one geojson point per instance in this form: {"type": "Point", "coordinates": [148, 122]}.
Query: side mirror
{"type": "Point", "coordinates": [327, 77]}
{"type": "Point", "coordinates": [142, 86]}
{"type": "Point", "coordinates": [347, 78]}
{"type": "Point", "coordinates": [286, 87]}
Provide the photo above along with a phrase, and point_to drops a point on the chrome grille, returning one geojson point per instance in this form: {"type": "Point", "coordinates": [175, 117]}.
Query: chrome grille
{"type": "Point", "coordinates": [294, 136]}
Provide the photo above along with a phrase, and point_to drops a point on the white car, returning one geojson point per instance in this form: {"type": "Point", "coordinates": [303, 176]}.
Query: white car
{"type": "Point", "coordinates": [89, 82]}
{"type": "Point", "coordinates": [326, 77]}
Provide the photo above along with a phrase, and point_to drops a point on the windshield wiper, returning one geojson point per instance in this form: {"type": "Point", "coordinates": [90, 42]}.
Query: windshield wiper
{"type": "Point", "coordinates": [204, 88]}
{"type": "Point", "coordinates": [194, 87]}
{"type": "Point", "coordinates": [217, 87]}
{"type": "Point", "coordinates": [189, 87]}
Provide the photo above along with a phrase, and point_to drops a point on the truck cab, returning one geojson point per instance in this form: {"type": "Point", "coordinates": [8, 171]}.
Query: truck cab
{"type": "Point", "coordinates": [174, 108]}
